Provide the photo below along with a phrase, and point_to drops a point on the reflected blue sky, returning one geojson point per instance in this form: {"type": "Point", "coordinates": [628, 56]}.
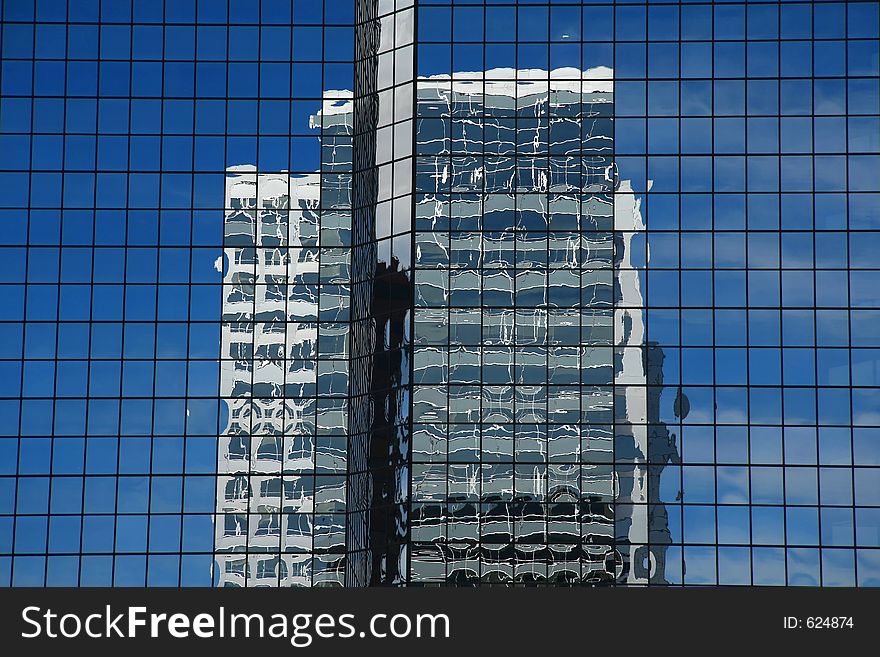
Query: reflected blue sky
{"type": "Point", "coordinates": [750, 134]}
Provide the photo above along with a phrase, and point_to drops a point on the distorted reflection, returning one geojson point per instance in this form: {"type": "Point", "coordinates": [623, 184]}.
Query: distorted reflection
{"type": "Point", "coordinates": [435, 352]}
{"type": "Point", "coordinates": [533, 420]}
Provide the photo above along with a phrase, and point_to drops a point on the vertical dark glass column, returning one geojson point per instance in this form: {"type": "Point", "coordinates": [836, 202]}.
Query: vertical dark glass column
{"type": "Point", "coordinates": [378, 478]}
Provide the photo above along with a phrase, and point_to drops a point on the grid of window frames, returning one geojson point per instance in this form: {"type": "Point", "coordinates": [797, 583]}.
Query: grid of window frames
{"type": "Point", "coordinates": [122, 233]}
{"type": "Point", "coordinates": [750, 134]}
{"type": "Point", "coordinates": [512, 472]}
{"type": "Point", "coordinates": [381, 299]}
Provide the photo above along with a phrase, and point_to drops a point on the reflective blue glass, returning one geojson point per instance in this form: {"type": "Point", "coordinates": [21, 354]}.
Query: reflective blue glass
{"type": "Point", "coordinates": [384, 292]}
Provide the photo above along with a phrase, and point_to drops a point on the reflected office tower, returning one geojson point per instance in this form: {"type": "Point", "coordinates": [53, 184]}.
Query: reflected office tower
{"type": "Point", "coordinates": [381, 303]}
{"type": "Point", "coordinates": [535, 402]}
{"type": "Point", "coordinates": [435, 361]}
{"type": "Point", "coordinates": [530, 399]}
{"type": "Point", "coordinates": [282, 456]}
{"type": "Point", "coordinates": [314, 462]}
{"type": "Point", "coordinates": [265, 489]}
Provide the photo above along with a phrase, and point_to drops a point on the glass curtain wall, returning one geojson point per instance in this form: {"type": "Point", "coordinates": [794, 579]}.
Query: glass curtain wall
{"type": "Point", "coordinates": [472, 292]}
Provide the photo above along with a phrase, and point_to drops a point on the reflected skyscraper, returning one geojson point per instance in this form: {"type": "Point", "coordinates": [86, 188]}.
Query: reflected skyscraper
{"type": "Point", "coordinates": [276, 521]}
{"type": "Point", "coordinates": [338, 460]}
{"type": "Point", "coordinates": [488, 396]}
{"type": "Point", "coordinates": [530, 435]}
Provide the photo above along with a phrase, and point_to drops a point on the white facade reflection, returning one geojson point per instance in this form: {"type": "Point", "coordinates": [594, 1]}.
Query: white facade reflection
{"type": "Point", "coordinates": [276, 518]}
